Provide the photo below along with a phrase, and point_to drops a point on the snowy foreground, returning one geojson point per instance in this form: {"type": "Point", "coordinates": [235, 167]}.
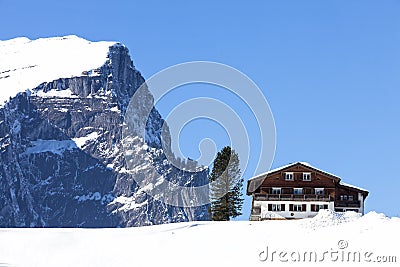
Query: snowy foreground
{"type": "Point", "coordinates": [330, 239]}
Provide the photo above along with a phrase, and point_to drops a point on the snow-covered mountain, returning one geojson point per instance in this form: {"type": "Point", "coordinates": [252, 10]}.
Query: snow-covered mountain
{"type": "Point", "coordinates": [61, 139]}
{"type": "Point", "coordinates": [329, 239]}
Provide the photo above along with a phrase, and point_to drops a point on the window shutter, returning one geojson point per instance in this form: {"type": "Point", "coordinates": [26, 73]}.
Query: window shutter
{"type": "Point", "coordinates": [326, 206]}
{"type": "Point", "coordinates": [290, 207]}
{"type": "Point", "coordinates": [282, 207]}
{"type": "Point", "coordinates": [303, 207]}
{"type": "Point", "coordinates": [270, 207]}
{"type": "Point", "coordinates": [313, 207]}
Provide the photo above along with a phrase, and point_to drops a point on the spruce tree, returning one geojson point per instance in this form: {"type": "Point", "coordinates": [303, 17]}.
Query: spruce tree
{"type": "Point", "coordinates": [226, 186]}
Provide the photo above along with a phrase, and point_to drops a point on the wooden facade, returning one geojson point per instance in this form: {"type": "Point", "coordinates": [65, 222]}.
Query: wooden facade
{"type": "Point", "coordinates": [300, 190]}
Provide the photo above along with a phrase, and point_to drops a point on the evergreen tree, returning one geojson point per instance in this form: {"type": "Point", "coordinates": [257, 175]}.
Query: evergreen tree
{"type": "Point", "coordinates": [226, 186]}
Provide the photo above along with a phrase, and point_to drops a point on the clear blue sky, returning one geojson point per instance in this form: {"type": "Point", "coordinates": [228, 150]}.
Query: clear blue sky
{"type": "Point", "coordinates": [329, 69]}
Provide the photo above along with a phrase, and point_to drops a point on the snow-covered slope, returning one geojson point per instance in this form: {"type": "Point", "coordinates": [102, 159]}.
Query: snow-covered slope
{"type": "Point", "coordinates": [25, 63]}
{"type": "Point", "coordinates": [212, 244]}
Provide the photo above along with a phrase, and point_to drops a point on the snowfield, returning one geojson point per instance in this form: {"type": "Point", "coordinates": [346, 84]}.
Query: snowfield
{"type": "Point", "coordinates": [329, 239]}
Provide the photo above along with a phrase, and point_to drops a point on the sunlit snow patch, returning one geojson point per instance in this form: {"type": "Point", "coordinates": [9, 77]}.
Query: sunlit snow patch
{"type": "Point", "coordinates": [82, 141]}
{"type": "Point", "coordinates": [326, 218]}
{"type": "Point", "coordinates": [25, 64]}
{"type": "Point", "coordinates": [53, 146]}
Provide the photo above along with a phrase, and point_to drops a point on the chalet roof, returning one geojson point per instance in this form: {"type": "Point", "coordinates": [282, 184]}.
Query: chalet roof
{"type": "Point", "coordinates": [306, 164]}
{"type": "Point", "coordinates": [254, 182]}
{"type": "Point", "coordinates": [354, 187]}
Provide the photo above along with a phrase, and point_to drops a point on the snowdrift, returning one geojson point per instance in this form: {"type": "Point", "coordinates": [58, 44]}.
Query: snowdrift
{"type": "Point", "coordinates": [329, 239]}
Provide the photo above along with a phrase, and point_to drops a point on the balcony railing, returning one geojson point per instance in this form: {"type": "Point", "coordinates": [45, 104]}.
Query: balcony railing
{"type": "Point", "coordinates": [348, 203]}
{"type": "Point", "coordinates": [293, 197]}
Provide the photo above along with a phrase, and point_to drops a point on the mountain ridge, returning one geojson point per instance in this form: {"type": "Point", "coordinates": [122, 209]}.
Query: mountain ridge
{"type": "Point", "coordinates": [63, 160]}
{"type": "Point", "coordinates": [25, 63]}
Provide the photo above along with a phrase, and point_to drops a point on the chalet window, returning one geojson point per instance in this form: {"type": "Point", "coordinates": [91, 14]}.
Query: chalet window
{"type": "Point", "coordinates": [289, 176]}
{"type": "Point", "coordinates": [256, 211]}
{"type": "Point", "coordinates": [276, 207]}
{"type": "Point", "coordinates": [317, 207]}
{"type": "Point", "coordinates": [343, 197]}
{"type": "Point", "coordinates": [319, 191]}
{"type": "Point", "coordinates": [351, 198]}
{"type": "Point", "coordinates": [297, 207]}
{"type": "Point", "coordinates": [306, 176]}
{"type": "Point", "coordinates": [298, 191]}
{"type": "Point", "coordinates": [276, 191]}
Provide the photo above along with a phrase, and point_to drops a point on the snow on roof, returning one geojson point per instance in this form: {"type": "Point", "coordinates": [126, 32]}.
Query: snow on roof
{"type": "Point", "coordinates": [287, 166]}
{"type": "Point", "coordinates": [353, 186]}
{"type": "Point", "coordinates": [25, 63]}
{"type": "Point", "coordinates": [271, 171]}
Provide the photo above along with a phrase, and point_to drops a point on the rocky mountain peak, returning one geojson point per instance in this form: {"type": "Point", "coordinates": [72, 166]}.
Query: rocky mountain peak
{"type": "Point", "coordinates": [62, 154]}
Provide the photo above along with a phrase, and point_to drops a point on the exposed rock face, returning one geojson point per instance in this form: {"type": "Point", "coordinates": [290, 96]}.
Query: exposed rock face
{"type": "Point", "coordinates": [62, 158]}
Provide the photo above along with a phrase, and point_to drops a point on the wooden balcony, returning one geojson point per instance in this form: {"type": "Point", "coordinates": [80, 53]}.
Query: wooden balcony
{"type": "Point", "coordinates": [348, 203]}
{"type": "Point", "coordinates": [292, 197]}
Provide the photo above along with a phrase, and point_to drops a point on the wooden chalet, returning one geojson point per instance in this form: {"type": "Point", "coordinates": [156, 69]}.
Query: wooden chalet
{"type": "Point", "coordinates": [300, 190]}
